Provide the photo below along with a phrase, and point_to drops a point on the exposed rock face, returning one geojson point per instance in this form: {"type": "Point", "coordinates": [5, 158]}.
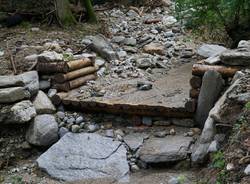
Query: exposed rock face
{"type": "Point", "coordinates": [209, 50]}
{"type": "Point", "coordinates": [168, 149]}
{"type": "Point", "coordinates": [20, 112]}
{"type": "Point", "coordinates": [43, 131]}
{"type": "Point", "coordinates": [43, 104]}
{"type": "Point", "coordinates": [101, 46]}
{"type": "Point", "coordinates": [14, 94]}
{"type": "Point", "coordinates": [229, 107]}
{"type": "Point", "coordinates": [85, 156]}
{"type": "Point", "coordinates": [212, 84]}
{"type": "Point", "coordinates": [10, 81]}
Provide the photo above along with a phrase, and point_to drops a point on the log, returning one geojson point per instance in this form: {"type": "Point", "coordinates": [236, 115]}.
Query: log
{"type": "Point", "coordinates": [77, 64]}
{"type": "Point", "coordinates": [199, 70]}
{"type": "Point", "coordinates": [152, 21]}
{"type": "Point", "coordinates": [60, 78]}
{"type": "Point", "coordinates": [196, 82]}
{"type": "Point", "coordinates": [75, 83]}
{"type": "Point", "coordinates": [51, 67]}
{"type": "Point", "coordinates": [194, 93]}
{"type": "Point", "coordinates": [58, 97]}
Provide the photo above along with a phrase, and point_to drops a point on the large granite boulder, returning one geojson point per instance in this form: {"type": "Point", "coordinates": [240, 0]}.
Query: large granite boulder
{"type": "Point", "coordinates": [212, 85]}
{"type": "Point", "coordinates": [43, 104]}
{"type": "Point", "coordinates": [168, 149]}
{"type": "Point", "coordinates": [85, 156]}
{"type": "Point", "coordinates": [43, 131]}
{"type": "Point", "coordinates": [18, 113]}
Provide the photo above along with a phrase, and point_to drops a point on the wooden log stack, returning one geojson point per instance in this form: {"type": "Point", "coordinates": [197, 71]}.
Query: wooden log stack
{"type": "Point", "coordinates": [69, 75]}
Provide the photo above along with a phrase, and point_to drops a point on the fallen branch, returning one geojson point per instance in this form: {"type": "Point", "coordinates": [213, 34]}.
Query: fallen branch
{"type": "Point", "coordinates": [12, 60]}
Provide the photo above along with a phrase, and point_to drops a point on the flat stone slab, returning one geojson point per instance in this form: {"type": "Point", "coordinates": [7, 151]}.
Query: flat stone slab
{"type": "Point", "coordinates": [168, 149]}
{"type": "Point", "coordinates": [85, 156]}
{"type": "Point", "coordinates": [135, 140]}
{"type": "Point", "coordinates": [167, 97]}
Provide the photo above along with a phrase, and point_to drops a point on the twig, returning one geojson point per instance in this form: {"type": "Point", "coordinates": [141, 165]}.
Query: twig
{"type": "Point", "coordinates": [12, 60]}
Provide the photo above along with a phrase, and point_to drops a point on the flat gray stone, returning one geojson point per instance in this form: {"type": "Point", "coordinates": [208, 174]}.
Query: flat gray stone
{"type": "Point", "coordinates": [244, 44]}
{"type": "Point", "coordinates": [43, 131]}
{"type": "Point", "coordinates": [85, 156]}
{"type": "Point", "coordinates": [212, 85]}
{"type": "Point", "coordinates": [213, 60]}
{"type": "Point", "coordinates": [238, 57]}
{"type": "Point", "coordinates": [208, 50]}
{"type": "Point", "coordinates": [31, 81]}
{"type": "Point", "coordinates": [168, 149]}
{"type": "Point", "coordinates": [13, 94]}
{"type": "Point", "coordinates": [10, 81]}
{"type": "Point", "coordinates": [43, 104]}
{"type": "Point", "coordinates": [50, 56]}
{"type": "Point", "coordinates": [247, 170]}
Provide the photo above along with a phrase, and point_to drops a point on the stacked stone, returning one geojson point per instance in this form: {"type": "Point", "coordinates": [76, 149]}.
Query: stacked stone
{"type": "Point", "coordinates": [66, 75]}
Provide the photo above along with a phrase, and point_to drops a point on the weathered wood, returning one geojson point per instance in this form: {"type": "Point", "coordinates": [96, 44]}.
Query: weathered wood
{"type": "Point", "coordinates": [51, 67]}
{"type": "Point", "coordinates": [60, 78]}
{"type": "Point", "coordinates": [57, 98]}
{"type": "Point", "coordinates": [190, 105]}
{"type": "Point", "coordinates": [194, 93]}
{"type": "Point", "coordinates": [78, 64]}
{"type": "Point", "coordinates": [199, 70]}
{"type": "Point", "coordinates": [75, 83]}
{"type": "Point", "coordinates": [196, 82]}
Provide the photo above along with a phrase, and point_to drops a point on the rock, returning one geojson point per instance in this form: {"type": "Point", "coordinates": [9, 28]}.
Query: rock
{"type": "Point", "coordinates": [238, 57]}
{"type": "Point", "coordinates": [122, 54]}
{"type": "Point", "coordinates": [144, 63]}
{"type": "Point", "coordinates": [118, 39]}
{"type": "Point", "coordinates": [183, 122]}
{"type": "Point", "coordinates": [109, 133]}
{"type": "Point", "coordinates": [144, 85]}
{"type": "Point", "coordinates": [129, 41]}
{"type": "Point", "coordinates": [52, 46]}
{"type": "Point", "coordinates": [161, 134]}
{"type": "Point", "coordinates": [19, 113]}
{"type": "Point", "coordinates": [92, 128]}
{"type": "Point", "coordinates": [209, 50]}
{"type": "Point", "coordinates": [100, 45]}
{"type": "Point", "coordinates": [201, 148]}
{"type": "Point", "coordinates": [13, 94]}
{"type": "Point", "coordinates": [99, 62]}
{"type": "Point", "coordinates": [134, 140]}
{"type": "Point", "coordinates": [43, 131]}
{"type": "Point", "coordinates": [62, 132]}
{"type": "Point", "coordinates": [168, 20]}
{"type": "Point", "coordinates": [212, 84]}
{"type": "Point", "coordinates": [31, 81]}
{"type": "Point", "coordinates": [79, 120]}
{"type": "Point", "coordinates": [50, 56]}
{"type": "Point", "coordinates": [213, 147]}
{"type": "Point", "coordinates": [75, 128]}
{"type": "Point", "coordinates": [10, 81]}
{"type": "Point", "coordinates": [154, 48]}
{"type": "Point", "coordinates": [162, 123]}
{"type": "Point", "coordinates": [227, 110]}
{"type": "Point", "coordinates": [71, 120]}
{"type": "Point", "coordinates": [168, 149]}
{"type": "Point", "coordinates": [244, 44]}
{"type": "Point", "coordinates": [213, 60]}
{"type": "Point", "coordinates": [119, 132]}
{"type": "Point", "coordinates": [52, 92]}
{"type": "Point", "coordinates": [60, 115]}
{"type": "Point", "coordinates": [44, 84]}
{"type": "Point", "coordinates": [31, 58]}
{"type": "Point", "coordinates": [69, 160]}
{"type": "Point", "coordinates": [230, 167]}
{"type": "Point", "coordinates": [43, 104]}
{"type": "Point", "coordinates": [247, 170]}
{"type": "Point", "coordinates": [147, 121]}
{"type": "Point", "coordinates": [172, 131]}
{"type": "Point", "coordinates": [173, 180]}
{"type": "Point", "coordinates": [134, 168]}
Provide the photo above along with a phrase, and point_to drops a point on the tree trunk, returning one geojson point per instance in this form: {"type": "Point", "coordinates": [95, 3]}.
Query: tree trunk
{"type": "Point", "coordinates": [90, 11]}
{"type": "Point", "coordinates": [64, 14]}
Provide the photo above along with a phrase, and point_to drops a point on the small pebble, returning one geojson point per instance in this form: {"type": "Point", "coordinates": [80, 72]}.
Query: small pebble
{"type": "Point", "coordinates": [79, 120]}
{"type": "Point", "coordinates": [172, 131]}
{"type": "Point", "coordinates": [75, 128]}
